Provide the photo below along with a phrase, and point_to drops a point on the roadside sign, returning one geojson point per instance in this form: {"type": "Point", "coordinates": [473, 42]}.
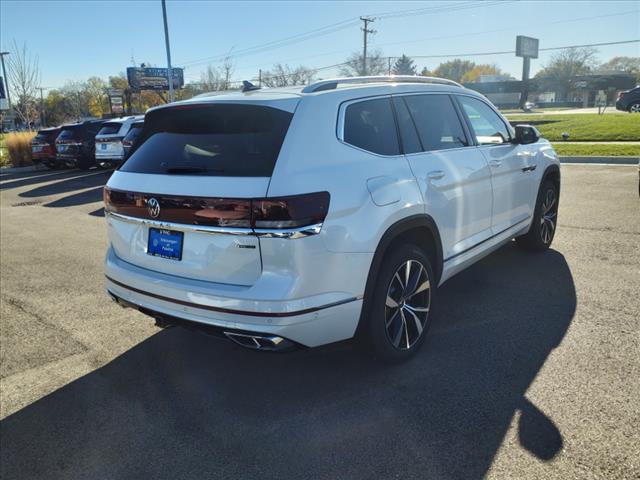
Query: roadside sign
{"type": "Point", "coordinates": [116, 100]}
{"type": "Point", "coordinates": [4, 104]}
{"type": "Point", "coordinates": [527, 46]}
{"type": "Point", "coordinates": [143, 78]}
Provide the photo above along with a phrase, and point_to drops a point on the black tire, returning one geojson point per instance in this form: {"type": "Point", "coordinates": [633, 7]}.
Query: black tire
{"type": "Point", "coordinates": [545, 219]}
{"type": "Point", "coordinates": [634, 107]}
{"type": "Point", "coordinates": [394, 337]}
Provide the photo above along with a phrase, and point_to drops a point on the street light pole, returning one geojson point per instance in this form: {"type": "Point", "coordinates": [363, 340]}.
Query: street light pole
{"type": "Point", "coordinates": [166, 40]}
{"type": "Point", "coordinates": [6, 80]}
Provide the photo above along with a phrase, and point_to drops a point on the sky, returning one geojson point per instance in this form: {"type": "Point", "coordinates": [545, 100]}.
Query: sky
{"type": "Point", "coordinates": [75, 40]}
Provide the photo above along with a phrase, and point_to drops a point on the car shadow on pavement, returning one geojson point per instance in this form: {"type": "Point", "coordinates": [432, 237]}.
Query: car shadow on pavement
{"type": "Point", "coordinates": [32, 178]}
{"type": "Point", "coordinates": [78, 182]}
{"type": "Point", "coordinates": [86, 196]}
{"type": "Point", "coordinates": [184, 405]}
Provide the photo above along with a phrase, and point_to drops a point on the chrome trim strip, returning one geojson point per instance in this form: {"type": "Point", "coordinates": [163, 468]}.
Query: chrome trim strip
{"type": "Point", "coordinates": [291, 233]}
{"type": "Point", "coordinates": [181, 226]}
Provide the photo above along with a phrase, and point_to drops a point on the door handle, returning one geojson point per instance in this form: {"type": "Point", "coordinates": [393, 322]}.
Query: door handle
{"type": "Point", "coordinates": [435, 175]}
{"type": "Point", "coordinates": [495, 163]}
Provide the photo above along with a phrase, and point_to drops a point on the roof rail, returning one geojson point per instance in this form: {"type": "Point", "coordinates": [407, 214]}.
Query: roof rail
{"type": "Point", "coordinates": [333, 83]}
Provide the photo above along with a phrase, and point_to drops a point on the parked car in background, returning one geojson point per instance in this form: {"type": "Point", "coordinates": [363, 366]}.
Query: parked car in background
{"type": "Point", "coordinates": [310, 215]}
{"type": "Point", "coordinates": [75, 145]}
{"type": "Point", "coordinates": [130, 139]}
{"type": "Point", "coordinates": [43, 147]}
{"type": "Point", "coordinates": [109, 146]}
{"type": "Point", "coordinates": [629, 100]}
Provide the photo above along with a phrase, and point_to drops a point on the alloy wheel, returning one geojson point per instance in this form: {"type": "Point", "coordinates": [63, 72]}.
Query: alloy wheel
{"type": "Point", "coordinates": [635, 108]}
{"type": "Point", "coordinates": [407, 304]}
{"type": "Point", "coordinates": [549, 211]}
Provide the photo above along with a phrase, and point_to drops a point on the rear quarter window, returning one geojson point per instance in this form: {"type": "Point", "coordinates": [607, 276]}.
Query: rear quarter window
{"type": "Point", "coordinates": [232, 140]}
{"type": "Point", "coordinates": [370, 125]}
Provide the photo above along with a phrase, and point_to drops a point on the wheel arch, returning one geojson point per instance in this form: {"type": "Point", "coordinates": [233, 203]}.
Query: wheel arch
{"type": "Point", "coordinates": [417, 229]}
{"type": "Point", "coordinates": [552, 172]}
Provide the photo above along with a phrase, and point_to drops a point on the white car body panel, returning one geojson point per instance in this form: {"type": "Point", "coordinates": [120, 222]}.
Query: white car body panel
{"type": "Point", "coordinates": [476, 208]}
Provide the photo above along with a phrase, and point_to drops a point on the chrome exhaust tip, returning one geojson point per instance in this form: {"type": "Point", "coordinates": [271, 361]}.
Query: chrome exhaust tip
{"type": "Point", "coordinates": [260, 342]}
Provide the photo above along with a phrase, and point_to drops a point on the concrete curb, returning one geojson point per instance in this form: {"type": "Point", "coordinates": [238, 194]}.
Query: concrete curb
{"type": "Point", "coordinates": [609, 160]}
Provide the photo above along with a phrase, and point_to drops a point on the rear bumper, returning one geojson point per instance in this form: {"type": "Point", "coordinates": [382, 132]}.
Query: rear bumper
{"type": "Point", "coordinates": [310, 321]}
{"type": "Point", "coordinates": [620, 105]}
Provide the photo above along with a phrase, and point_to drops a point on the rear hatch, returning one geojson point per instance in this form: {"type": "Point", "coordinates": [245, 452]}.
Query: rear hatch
{"type": "Point", "coordinates": [43, 144]}
{"type": "Point", "coordinates": [109, 141]}
{"type": "Point", "coordinates": [69, 141]}
{"type": "Point", "coordinates": [131, 137]}
{"type": "Point", "coordinates": [196, 168]}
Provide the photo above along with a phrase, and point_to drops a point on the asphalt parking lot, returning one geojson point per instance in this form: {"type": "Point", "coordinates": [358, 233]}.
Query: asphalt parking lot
{"type": "Point", "coordinates": [531, 369]}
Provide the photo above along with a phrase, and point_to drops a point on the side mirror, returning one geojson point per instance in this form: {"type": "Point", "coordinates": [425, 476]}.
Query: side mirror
{"type": "Point", "coordinates": [526, 134]}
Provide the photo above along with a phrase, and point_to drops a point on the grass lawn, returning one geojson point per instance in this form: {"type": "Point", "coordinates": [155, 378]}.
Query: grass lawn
{"type": "Point", "coordinates": [567, 149]}
{"type": "Point", "coordinates": [585, 127]}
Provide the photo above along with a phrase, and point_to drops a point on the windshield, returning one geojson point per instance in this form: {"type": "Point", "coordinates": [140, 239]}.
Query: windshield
{"type": "Point", "coordinates": [224, 139]}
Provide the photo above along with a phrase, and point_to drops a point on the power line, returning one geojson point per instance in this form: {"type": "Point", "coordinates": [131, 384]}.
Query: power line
{"type": "Point", "coordinates": [504, 52]}
{"type": "Point", "coordinates": [332, 28]}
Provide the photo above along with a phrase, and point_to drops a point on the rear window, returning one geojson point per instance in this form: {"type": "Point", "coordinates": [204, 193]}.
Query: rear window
{"type": "Point", "coordinates": [44, 137]}
{"type": "Point", "coordinates": [228, 140]}
{"type": "Point", "coordinates": [134, 132]}
{"type": "Point", "coordinates": [110, 129]}
{"type": "Point", "coordinates": [69, 134]}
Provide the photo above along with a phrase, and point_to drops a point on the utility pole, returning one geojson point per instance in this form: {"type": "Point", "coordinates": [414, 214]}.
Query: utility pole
{"type": "Point", "coordinates": [6, 80]}
{"type": "Point", "coordinates": [389, 59]}
{"type": "Point", "coordinates": [41, 107]}
{"type": "Point", "coordinates": [260, 78]}
{"type": "Point", "coordinates": [166, 40]}
{"type": "Point", "coordinates": [365, 31]}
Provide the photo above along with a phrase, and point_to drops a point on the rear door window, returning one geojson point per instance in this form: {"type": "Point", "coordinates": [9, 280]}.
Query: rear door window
{"type": "Point", "coordinates": [110, 129]}
{"type": "Point", "coordinates": [370, 125]}
{"type": "Point", "coordinates": [437, 122]}
{"type": "Point", "coordinates": [229, 140]}
{"type": "Point", "coordinates": [486, 125]}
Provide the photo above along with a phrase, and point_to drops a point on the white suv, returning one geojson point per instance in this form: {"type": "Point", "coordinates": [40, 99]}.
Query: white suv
{"type": "Point", "coordinates": [304, 216]}
{"type": "Point", "coordinates": [109, 148]}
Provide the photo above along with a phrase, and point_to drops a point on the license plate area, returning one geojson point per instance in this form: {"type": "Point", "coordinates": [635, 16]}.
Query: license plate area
{"type": "Point", "coordinates": [165, 243]}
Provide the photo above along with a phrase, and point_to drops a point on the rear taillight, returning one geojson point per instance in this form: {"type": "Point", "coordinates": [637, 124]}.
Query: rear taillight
{"type": "Point", "coordinates": [290, 212]}
{"type": "Point", "coordinates": [279, 213]}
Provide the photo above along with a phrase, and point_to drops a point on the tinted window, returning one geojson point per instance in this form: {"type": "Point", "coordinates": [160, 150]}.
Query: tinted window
{"type": "Point", "coordinates": [408, 135]}
{"type": "Point", "coordinates": [110, 129]}
{"type": "Point", "coordinates": [44, 136]}
{"type": "Point", "coordinates": [219, 140]}
{"type": "Point", "coordinates": [487, 126]}
{"type": "Point", "coordinates": [133, 133]}
{"type": "Point", "coordinates": [69, 134]}
{"type": "Point", "coordinates": [437, 122]}
{"type": "Point", "coordinates": [370, 125]}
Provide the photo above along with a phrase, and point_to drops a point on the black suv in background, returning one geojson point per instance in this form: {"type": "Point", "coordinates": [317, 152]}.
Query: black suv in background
{"type": "Point", "coordinates": [629, 100]}
{"type": "Point", "coordinates": [129, 140]}
{"type": "Point", "coordinates": [76, 144]}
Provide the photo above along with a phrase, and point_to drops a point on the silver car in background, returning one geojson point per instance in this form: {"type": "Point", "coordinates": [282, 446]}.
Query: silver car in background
{"type": "Point", "coordinates": [109, 148]}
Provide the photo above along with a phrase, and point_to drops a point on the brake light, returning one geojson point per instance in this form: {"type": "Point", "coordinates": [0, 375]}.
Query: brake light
{"type": "Point", "coordinates": [258, 213]}
{"type": "Point", "coordinates": [290, 212]}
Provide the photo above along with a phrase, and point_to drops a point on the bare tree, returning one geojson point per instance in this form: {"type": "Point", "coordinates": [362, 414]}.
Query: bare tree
{"type": "Point", "coordinates": [565, 65]}
{"type": "Point", "coordinates": [227, 71]}
{"type": "Point", "coordinates": [283, 75]}
{"type": "Point", "coordinates": [24, 75]}
{"type": "Point", "coordinates": [353, 67]}
{"type": "Point", "coordinates": [211, 79]}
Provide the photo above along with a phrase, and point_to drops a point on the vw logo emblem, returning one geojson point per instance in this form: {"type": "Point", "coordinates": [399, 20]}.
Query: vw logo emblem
{"type": "Point", "coordinates": [153, 206]}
